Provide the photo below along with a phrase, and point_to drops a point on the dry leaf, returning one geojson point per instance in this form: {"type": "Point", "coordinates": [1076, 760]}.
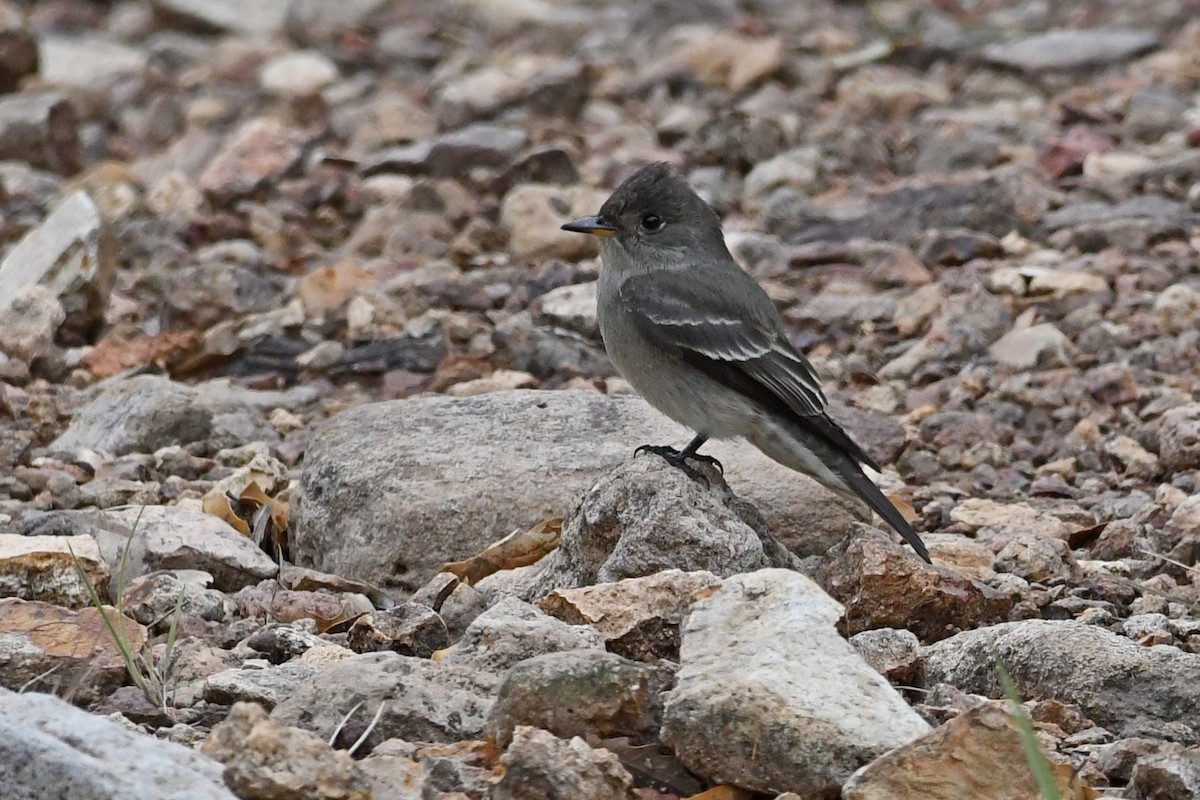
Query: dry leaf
{"type": "Point", "coordinates": [905, 508]}
{"type": "Point", "coordinates": [518, 549]}
{"type": "Point", "coordinates": [219, 506]}
{"type": "Point", "coordinates": [254, 514]}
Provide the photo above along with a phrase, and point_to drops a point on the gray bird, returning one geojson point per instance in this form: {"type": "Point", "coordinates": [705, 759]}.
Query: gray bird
{"type": "Point", "coordinates": [700, 340]}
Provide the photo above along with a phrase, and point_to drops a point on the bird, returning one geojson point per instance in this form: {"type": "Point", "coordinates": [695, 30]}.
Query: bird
{"type": "Point", "coordinates": [699, 340]}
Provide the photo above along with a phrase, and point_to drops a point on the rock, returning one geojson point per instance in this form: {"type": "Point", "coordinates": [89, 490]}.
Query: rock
{"type": "Point", "coordinates": [773, 713]}
{"type": "Point", "coordinates": [145, 413]}
{"type": "Point", "coordinates": [1026, 348]}
{"type": "Point", "coordinates": [265, 760]}
{"type": "Point", "coordinates": [262, 19]}
{"type": "Point", "coordinates": [502, 380]}
{"type": "Point", "coordinates": [797, 167]}
{"type": "Point", "coordinates": [84, 62]}
{"type": "Point", "coordinates": [997, 524]}
{"type": "Point", "coordinates": [298, 73]}
{"type": "Point", "coordinates": [578, 693]}
{"type": "Point", "coordinates": [414, 453]}
{"type": "Point", "coordinates": [152, 598]}
{"type": "Point", "coordinates": [409, 629]}
{"type": "Point", "coordinates": [288, 605]}
{"type": "Point", "coordinates": [170, 537]}
{"type": "Point", "coordinates": [893, 653]}
{"type": "Point", "coordinates": [638, 618]}
{"type": "Point", "coordinates": [261, 151]}
{"type": "Point", "coordinates": [266, 687]}
{"type": "Point", "coordinates": [424, 701]}
{"type": "Point", "coordinates": [283, 641]}
{"type": "Point", "coordinates": [1171, 774]}
{"type": "Point", "coordinates": [724, 58]}
{"type": "Point", "coordinates": [540, 766]}
{"type": "Point", "coordinates": [957, 760]}
{"type": "Point", "coordinates": [40, 128]}
{"type": "Point", "coordinates": [1063, 50]}
{"type": "Point", "coordinates": [644, 517]}
{"type": "Point", "coordinates": [1154, 111]}
{"type": "Point", "coordinates": [510, 632]}
{"type": "Point", "coordinates": [1178, 308]}
{"type": "Point", "coordinates": [44, 647]}
{"type": "Point", "coordinates": [400, 770]}
{"type": "Point", "coordinates": [572, 306]}
{"type": "Point", "coordinates": [967, 324]}
{"type": "Point", "coordinates": [531, 215]}
{"type": "Point", "coordinates": [1179, 437]}
{"type": "Point", "coordinates": [50, 750]}
{"type": "Point", "coordinates": [546, 84]}
{"type": "Point", "coordinates": [886, 586]}
{"type": "Point", "coordinates": [760, 254]}
{"type": "Point", "coordinates": [1036, 558]}
{"type": "Point", "coordinates": [1127, 688]}
{"type": "Point", "coordinates": [42, 568]}
{"type": "Point", "coordinates": [29, 321]}
{"type": "Point", "coordinates": [452, 154]}
{"type": "Point", "coordinates": [73, 254]}
{"type": "Point", "coordinates": [1137, 460]}
{"type": "Point", "coordinates": [1006, 200]}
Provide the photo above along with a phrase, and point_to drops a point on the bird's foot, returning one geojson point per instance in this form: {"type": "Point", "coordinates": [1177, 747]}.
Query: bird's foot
{"type": "Point", "coordinates": [679, 459]}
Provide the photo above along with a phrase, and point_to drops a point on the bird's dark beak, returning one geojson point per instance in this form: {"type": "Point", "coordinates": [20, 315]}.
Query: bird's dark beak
{"type": "Point", "coordinates": [593, 225]}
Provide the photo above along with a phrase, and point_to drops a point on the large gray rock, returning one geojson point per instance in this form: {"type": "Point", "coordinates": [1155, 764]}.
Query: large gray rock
{"type": "Point", "coordinates": [1125, 687]}
{"type": "Point", "coordinates": [425, 701]}
{"type": "Point", "coordinates": [770, 697]}
{"type": "Point", "coordinates": [643, 517]}
{"type": "Point", "coordinates": [393, 490]}
{"type": "Point", "coordinates": [147, 412]}
{"type": "Point", "coordinates": [50, 750]}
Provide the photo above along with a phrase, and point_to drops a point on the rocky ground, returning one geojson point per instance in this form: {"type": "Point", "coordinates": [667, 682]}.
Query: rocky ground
{"type": "Point", "coordinates": [230, 229]}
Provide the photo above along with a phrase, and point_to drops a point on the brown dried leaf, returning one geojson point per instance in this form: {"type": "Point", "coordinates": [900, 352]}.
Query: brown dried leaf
{"type": "Point", "coordinates": [219, 506]}
{"type": "Point", "coordinates": [905, 508]}
{"type": "Point", "coordinates": [518, 549]}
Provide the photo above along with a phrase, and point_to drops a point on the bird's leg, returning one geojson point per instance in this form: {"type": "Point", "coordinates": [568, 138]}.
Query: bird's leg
{"type": "Point", "coordinates": [679, 458]}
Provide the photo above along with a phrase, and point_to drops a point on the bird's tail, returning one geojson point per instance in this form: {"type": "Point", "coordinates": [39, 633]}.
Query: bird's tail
{"type": "Point", "coordinates": [820, 449]}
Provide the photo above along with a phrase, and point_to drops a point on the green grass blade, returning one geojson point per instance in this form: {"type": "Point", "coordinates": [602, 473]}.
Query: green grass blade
{"type": "Point", "coordinates": [1043, 775]}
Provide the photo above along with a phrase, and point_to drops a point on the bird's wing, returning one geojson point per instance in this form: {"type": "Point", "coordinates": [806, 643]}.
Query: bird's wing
{"type": "Point", "coordinates": [733, 336]}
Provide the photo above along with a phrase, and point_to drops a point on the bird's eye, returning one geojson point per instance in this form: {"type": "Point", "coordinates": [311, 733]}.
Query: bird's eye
{"type": "Point", "coordinates": [652, 223]}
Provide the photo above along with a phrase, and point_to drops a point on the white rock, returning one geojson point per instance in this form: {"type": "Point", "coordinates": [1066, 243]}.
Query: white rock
{"type": "Point", "coordinates": [1025, 348]}
{"type": "Point", "coordinates": [72, 253]}
{"type": "Point", "coordinates": [770, 697]}
{"type": "Point", "coordinates": [82, 61]}
{"type": "Point", "coordinates": [299, 73]}
{"type": "Point", "coordinates": [28, 322]}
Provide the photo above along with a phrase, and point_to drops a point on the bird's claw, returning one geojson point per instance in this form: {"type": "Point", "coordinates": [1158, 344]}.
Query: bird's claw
{"type": "Point", "coordinates": [679, 460]}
